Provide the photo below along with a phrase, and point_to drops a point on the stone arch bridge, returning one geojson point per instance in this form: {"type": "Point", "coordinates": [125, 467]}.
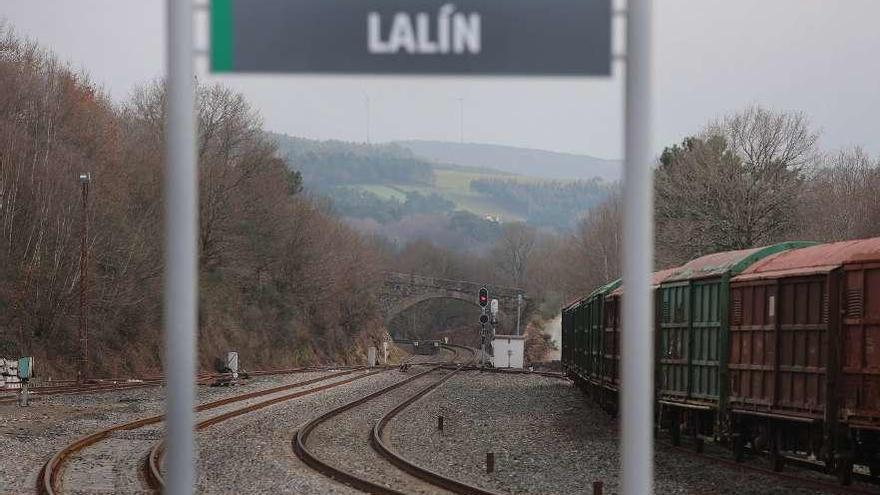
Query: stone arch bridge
{"type": "Point", "coordinates": [402, 291]}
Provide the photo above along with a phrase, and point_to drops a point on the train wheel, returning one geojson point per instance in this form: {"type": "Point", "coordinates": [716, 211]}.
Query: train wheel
{"type": "Point", "coordinates": [675, 429]}
{"type": "Point", "coordinates": [776, 458]}
{"type": "Point", "coordinates": [739, 447]}
{"type": "Point", "coordinates": [844, 471]}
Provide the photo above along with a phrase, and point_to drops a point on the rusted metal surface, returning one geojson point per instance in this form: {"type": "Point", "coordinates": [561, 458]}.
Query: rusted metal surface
{"type": "Point", "coordinates": [807, 333]}
{"type": "Point", "coordinates": [821, 258]}
{"type": "Point", "coordinates": [779, 352]}
{"type": "Point", "coordinates": [730, 262]}
{"type": "Point", "coordinates": [860, 330]}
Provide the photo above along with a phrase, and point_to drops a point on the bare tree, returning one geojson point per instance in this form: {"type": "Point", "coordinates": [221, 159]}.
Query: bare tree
{"type": "Point", "coordinates": [512, 252]}
{"type": "Point", "coordinates": [840, 199]}
{"type": "Point", "coordinates": [734, 186]}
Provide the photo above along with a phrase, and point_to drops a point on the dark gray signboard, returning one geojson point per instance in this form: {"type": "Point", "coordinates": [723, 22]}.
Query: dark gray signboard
{"type": "Point", "coordinates": [489, 37]}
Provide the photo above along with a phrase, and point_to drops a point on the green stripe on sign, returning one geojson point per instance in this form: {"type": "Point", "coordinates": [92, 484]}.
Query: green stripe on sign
{"type": "Point", "coordinates": [221, 35]}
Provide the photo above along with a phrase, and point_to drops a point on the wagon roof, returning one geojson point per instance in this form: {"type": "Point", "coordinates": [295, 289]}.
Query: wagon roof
{"type": "Point", "coordinates": [821, 258]}
{"type": "Point", "coordinates": [657, 278]}
{"type": "Point", "coordinates": [601, 291]}
{"type": "Point", "coordinates": [573, 304]}
{"type": "Point", "coordinates": [732, 262]}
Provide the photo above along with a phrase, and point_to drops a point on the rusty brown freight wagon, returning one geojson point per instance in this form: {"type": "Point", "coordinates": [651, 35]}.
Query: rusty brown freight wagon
{"type": "Point", "coordinates": [805, 353]}
{"type": "Point", "coordinates": [612, 337]}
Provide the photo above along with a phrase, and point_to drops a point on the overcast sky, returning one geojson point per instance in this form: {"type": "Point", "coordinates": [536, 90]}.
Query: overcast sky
{"type": "Point", "coordinates": [712, 57]}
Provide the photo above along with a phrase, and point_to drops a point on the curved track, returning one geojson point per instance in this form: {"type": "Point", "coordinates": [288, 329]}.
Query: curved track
{"type": "Point", "coordinates": [49, 481]}
{"type": "Point", "coordinates": [153, 462]}
{"type": "Point", "coordinates": [420, 479]}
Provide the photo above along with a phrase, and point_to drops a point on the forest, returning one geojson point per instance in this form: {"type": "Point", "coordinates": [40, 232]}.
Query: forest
{"type": "Point", "coordinates": [282, 280]}
{"type": "Point", "coordinates": [556, 204]}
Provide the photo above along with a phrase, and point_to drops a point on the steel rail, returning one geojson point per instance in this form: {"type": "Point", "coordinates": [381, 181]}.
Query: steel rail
{"type": "Point", "coordinates": [300, 438]}
{"type": "Point", "coordinates": [53, 390]}
{"type": "Point", "coordinates": [48, 478]}
{"type": "Point", "coordinates": [378, 440]}
{"type": "Point", "coordinates": [152, 467]}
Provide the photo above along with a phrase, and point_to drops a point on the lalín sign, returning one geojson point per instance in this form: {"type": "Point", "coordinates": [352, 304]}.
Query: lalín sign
{"type": "Point", "coordinates": [479, 37]}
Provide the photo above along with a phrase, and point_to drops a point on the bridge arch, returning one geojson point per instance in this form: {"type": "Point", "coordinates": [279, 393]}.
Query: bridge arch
{"type": "Point", "coordinates": [402, 291]}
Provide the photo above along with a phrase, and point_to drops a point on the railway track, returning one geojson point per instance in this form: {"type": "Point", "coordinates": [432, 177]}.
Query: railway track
{"type": "Point", "coordinates": [38, 393]}
{"type": "Point", "coordinates": [415, 478]}
{"type": "Point", "coordinates": [147, 474]}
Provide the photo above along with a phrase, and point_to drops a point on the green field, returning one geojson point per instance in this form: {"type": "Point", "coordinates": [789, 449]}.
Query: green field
{"type": "Point", "coordinates": [453, 185]}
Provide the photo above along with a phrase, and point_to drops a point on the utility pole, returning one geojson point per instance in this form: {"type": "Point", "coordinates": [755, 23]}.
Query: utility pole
{"type": "Point", "coordinates": [518, 306]}
{"type": "Point", "coordinates": [461, 120]}
{"type": "Point", "coordinates": [85, 180]}
{"type": "Point", "coordinates": [367, 97]}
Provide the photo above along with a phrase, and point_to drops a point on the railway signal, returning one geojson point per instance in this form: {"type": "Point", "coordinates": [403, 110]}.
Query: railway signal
{"type": "Point", "coordinates": [484, 318]}
{"type": "Point", "coordinates": [484, 297]}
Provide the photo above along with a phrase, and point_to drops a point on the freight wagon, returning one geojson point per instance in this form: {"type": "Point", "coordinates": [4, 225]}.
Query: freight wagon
{"type": "Point", "coordinates": [612, 337]}
{"type": "Point", "coordinates": [805, 354]}
{"type": "Point", "coordinates": [775, 348]}
{"type": "Point", "coordinates": [692, 340]}
{"type": "Point", "coordinates": [582, 326]}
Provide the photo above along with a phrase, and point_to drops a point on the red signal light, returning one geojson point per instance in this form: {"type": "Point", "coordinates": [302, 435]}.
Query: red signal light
{"type": "Point", "coordinates": [484, 297]}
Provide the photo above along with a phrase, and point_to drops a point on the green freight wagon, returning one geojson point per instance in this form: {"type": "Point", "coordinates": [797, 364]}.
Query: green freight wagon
{"type": "Point", "coordinates": [693, 331]}
{"type": "Point", "coordinates": [568, 338]}
{"type": "Point", "coordinates": [573, 318]}
{"type": "Point", "coordinates": [594, 352]}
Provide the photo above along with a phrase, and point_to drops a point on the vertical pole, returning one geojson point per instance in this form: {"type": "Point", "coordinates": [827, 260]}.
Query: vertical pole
{"type": "Point", "coordinates": [637, 356]}
{"type": "Point", "coordinates": [461, 120]}
{"type": "Point", "coordinates": [368, 119]}
{"type": "Point", "coordinates": [518, 305]}
{"type": "Point", "coordinates": [181, 220]}
{"type": "Point", "coordinates": [83, 282]}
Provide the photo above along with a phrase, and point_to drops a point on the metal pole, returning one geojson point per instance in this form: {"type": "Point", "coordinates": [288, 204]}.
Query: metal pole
{"type": "Point", "coordinates": [181, 256]}
{"type": "Point", "coordinates": [518, 304]}
{"type": "Point", "coordinates": [461, 120]}
{"type": "Point", "coordinates": [638, 360]}
{"type": "Point", "coordinates": [84, 180]}
{"type": "Point", "coordinates": [368, 119]}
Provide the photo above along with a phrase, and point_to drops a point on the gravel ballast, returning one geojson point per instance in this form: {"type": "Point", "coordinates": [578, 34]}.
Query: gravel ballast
{"type": "Point", "coordinates": [253, 453]}
{"type": "Point", "coordinates": [547, 438]}
{"type": "Point", "coordinates": [50, 423]}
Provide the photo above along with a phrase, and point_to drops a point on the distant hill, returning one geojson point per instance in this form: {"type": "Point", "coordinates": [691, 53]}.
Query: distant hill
{"type": "Point", "coordinates": [390, 190]}
{"type": "Point", "coordinates": [520, 161]}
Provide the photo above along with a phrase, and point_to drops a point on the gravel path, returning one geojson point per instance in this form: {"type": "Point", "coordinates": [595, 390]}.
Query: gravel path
{"type": "Point", "coordinates": [32, 435]}
{"type": "Point", "coordinates": [548, 438]}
